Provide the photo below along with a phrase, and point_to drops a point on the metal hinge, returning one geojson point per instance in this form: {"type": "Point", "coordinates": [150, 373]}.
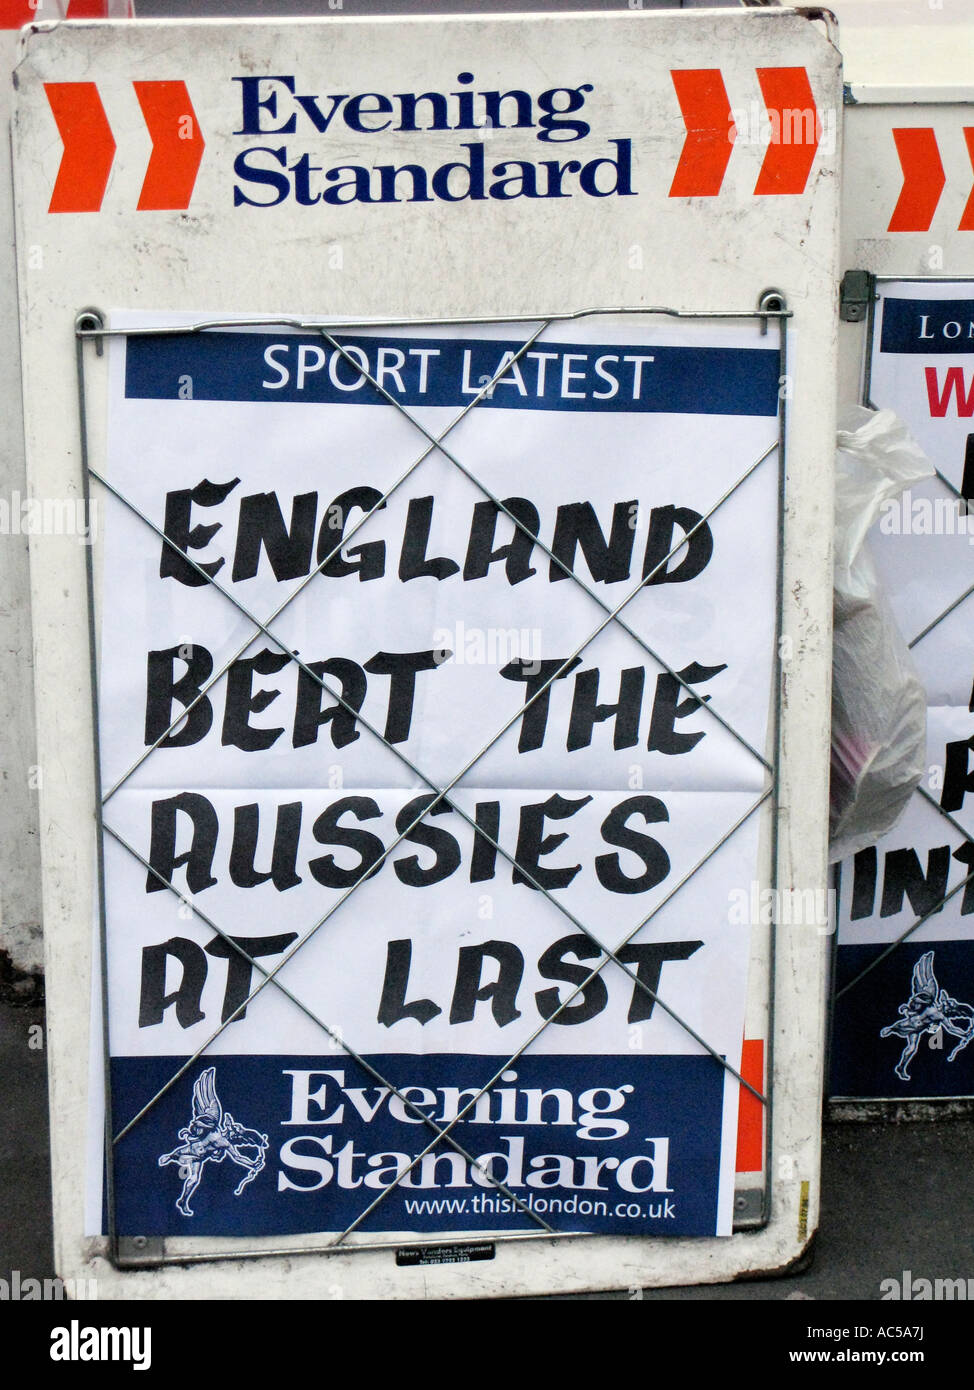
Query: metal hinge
{"type": "Point", "coordinates": [857, 292]}
{"type": "Point", "coordinates": [139, 1252]}
{"type": "Point", "coordinates": [748, 1208]}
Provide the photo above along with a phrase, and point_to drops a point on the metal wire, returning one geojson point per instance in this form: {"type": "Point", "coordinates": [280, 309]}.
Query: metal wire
{"type": "Point", "coordinates": [441, 793]}
{"type": "Point", "coordinates": [434, 444]}
{"type": "Point", "coordinates": [950, 608]}
{"type": "Point", "coordinates": [309, 1013]}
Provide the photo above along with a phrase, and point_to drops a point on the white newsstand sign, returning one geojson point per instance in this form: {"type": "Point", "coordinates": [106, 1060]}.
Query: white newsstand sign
{"type": "Point", "coordinates": [904, 1017]}
{"type": "Point", "coordinates": [314, 841]}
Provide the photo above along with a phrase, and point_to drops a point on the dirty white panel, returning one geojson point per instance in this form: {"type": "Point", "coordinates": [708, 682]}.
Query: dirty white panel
{"type": "Point", "coordinates": [20, 775]}
{"type": "Point", "coordinates": [908, 218]}
{"type": "Point", "coordinates": [706, 224]}
{"type": "Point", "coordinates": [907, 184]}
{"type": "Point", "coordinates": [20, 863]}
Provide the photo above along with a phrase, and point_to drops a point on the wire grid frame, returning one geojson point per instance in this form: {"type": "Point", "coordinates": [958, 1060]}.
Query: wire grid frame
{"type": "Point", "coordinates": [921, 791]}
{"type": "Point", "coordinates": [90, 325]}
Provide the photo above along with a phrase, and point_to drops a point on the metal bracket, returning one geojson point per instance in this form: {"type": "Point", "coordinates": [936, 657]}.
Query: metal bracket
{"type": "Point", "coordinates": [857, 292]}
{"type": "Point", "coordinates": [91, 322]}
{"type": "Point", "coordinates": [827, 17]}
{"type": "Point", "coordinates": [139, 1252]}
{"type": "Point", "coordinates": [748, 1208]}
{"type": "Point", "coordinates": [771, 302]}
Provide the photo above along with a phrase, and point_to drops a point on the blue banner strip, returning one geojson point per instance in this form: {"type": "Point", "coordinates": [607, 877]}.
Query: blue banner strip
{"type": "Point", "coordinates": [922, 1028]}
{"type": "Point", "coordinates": [928, 327]}
{"type": "Point", "coordinates": [230, 366]}
{"type": "Point", "coordinates": [294, 1144]}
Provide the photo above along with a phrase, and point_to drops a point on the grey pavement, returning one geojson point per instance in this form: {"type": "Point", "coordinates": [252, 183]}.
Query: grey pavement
{"type": "Point", "coordinates": [25, 1184]}
{"type": "Point", "coordinates": [895, 1197]}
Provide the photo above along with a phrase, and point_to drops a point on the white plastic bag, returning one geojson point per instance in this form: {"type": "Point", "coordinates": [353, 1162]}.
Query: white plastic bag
{"type": "Point", "coordinates": [879, 708]}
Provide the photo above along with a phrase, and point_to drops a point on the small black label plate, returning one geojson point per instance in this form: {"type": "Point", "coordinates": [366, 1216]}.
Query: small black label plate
{"type": "Point", "coordinates": [445, 1254]}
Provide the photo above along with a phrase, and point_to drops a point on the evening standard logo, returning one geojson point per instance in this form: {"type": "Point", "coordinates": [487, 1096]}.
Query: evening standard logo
{"type": "Point", "coordinates": [929, 1010]}
{"type": "Point", "coordinates": [210, 1137]}
{"type": "Point", "coordinates": [322, 1098]}
{"type": "Point", "coordinates": [274, 109]}
{"type": "Point", "coordinates": [77, 1343]}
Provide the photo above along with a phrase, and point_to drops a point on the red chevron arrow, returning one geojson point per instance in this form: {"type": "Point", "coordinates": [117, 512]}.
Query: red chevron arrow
{"type": "Point", "coordinates": [14, 14]}
{"type": "Point", "coordinates": [710, 132]}
{"type": "Point", "coordinates": [966, 223]}
{"type": "Point", "coordinates": [89, 147]}
{"type": "Point", "coordinates": [923, 179]}
{"type": "Point", "coordinates": [177, 145]}
{"type": "Point", "coordinates": [795, 130]}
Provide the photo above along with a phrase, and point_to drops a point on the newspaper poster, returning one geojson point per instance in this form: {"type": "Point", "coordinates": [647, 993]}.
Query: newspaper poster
{"type": "Point", "coordinates": [904, 1017]}
{"type": "Point", "coordinates": [436, 695]}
